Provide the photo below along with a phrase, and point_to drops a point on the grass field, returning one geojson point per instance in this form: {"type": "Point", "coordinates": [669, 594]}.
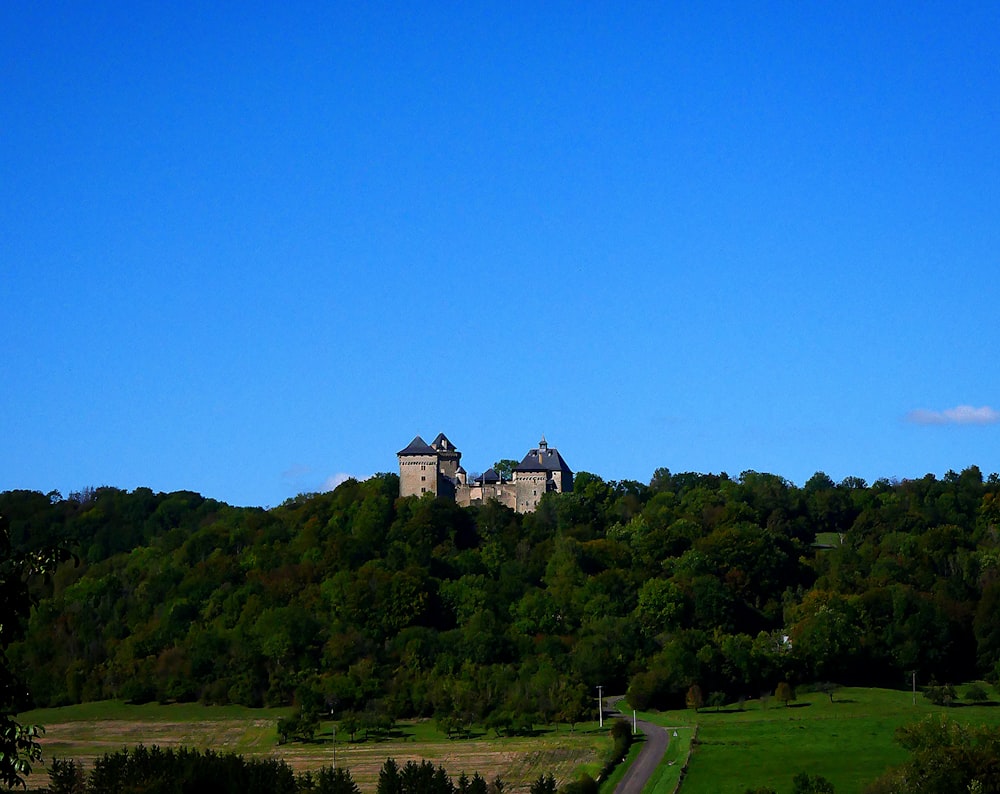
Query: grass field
{"type": "Point", "coordinates": [667, 775]}
{"type": "Point", "coordinates": [88, 731]}
{"type": "Point", "coordinates": [850, 741]}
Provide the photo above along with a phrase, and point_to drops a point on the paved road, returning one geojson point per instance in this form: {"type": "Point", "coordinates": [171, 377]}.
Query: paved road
{"type": "Point", "coordinates": [649, 758]}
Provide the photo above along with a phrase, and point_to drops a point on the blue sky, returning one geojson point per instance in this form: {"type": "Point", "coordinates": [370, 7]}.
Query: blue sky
{"type": "Point", "coordinates": [252, 249]}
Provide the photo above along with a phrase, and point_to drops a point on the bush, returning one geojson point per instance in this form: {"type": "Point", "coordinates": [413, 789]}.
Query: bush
{"type": "Point", "coordinates": [585, 785]}
{"type": "Point", "coordinates": [621, 733]}
{"type": "Point", "coordinates": [941, 695]}
{"type": "Point", "coordinates": [811, 784]}
{"type": "Point", "coordinates": [977, 693]}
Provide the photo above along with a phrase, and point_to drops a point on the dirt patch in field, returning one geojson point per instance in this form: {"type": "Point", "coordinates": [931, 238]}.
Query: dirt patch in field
{"type": "Point", "coordinates": [517, 761]}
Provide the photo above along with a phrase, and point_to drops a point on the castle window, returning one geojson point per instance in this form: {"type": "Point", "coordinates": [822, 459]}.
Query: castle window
{"type": "Point", "coordinates": [422, 478]}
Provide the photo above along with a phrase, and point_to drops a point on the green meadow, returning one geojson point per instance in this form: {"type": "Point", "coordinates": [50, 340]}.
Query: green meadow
{"type": "Point", "coordinates": [849, 741]}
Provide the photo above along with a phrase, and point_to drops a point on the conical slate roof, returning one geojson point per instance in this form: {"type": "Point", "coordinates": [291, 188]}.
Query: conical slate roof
{"type": "Point", "coordinates": [418, 447]}
{"type": "Point", "coordinates": [442, 442]}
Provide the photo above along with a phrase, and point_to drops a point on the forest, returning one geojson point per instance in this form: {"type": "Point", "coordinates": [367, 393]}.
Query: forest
{"type": "Point", "coordinates": [368, 607]}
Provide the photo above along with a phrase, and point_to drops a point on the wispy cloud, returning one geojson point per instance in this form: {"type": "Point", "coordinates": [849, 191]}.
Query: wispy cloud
{"type": "Point", "coordinates": [295, 471]}
{"type": "Point", "coordinates": [959, 415]}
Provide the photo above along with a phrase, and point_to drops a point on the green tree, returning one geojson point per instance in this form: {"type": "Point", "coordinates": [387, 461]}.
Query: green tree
{"type": "Point", "coordinates": [544, 784]}
{"type": "Point", "coordinates": [287, 727]}
{"type": "Point", "coordinates": [505, 468]}
{"type": "Point", "coordinates": [350, 723]}
{"type": "Point", "coordinates": [330, 780]}
{"type": "Point", "coordinates": [66, 777]}
{"type": "Point", "coordinates": [784, 692]}
{"type": "Point", "coordinates": [575, 705]}
{"type": "Point", "coordinates": [827, 688]}
{"type": "Point", "coordinates": [694, 699]}
{"type": "Point", "coordinates": [388, 778]}
{"type": "Point", "coordinates": [825, 634]}
{"type": "Point", "coordinates": [946, 757]}
{"type": "Point", "coordinates": [19, 747]}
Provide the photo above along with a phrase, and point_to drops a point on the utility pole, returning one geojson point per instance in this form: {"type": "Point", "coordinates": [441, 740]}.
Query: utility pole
{"type": "Point", "coordinates": [914, 687]}
{"type": "Point", "coordinates": [600, 705]}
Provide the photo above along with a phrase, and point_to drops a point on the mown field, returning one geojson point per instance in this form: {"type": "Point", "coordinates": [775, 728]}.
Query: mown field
{"type": "Point", "coordinates": [88, 731]}
{"type": "Point", "coordinates": [850, 741]}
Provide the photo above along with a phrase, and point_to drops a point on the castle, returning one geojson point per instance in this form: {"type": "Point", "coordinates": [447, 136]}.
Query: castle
{"type": "Point", "coordinates": [436, 468]}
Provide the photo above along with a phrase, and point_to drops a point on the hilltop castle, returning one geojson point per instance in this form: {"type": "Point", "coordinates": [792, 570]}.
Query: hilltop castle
{"type": "Point", "coordinates": [436, 468]}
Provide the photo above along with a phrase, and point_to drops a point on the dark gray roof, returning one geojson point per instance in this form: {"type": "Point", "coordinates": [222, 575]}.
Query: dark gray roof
{"type": "Point", "coordinates": [489, 475]}
{"type": "Point", "coordinates": [442, 442]}
{"type": "Point", "coordinates": [543, 458]}
{"type": "Point", "coordinates": [418, 447]}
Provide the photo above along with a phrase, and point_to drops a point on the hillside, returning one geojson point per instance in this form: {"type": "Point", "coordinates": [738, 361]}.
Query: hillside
{"type": "Point", "coordinates": [361, 603]}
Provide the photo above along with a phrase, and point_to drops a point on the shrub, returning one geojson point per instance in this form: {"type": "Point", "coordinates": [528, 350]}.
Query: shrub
{"type": "Point", "coordinates": [976, 693]}
{"type": "Point", "coordinates": [585, 785]}
{"type": "Point", "coordinates": [941, 695]}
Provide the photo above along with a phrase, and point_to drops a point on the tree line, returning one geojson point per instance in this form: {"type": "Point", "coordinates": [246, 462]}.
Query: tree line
{"type": "Point", "coordinates": [360, 605]}
{"type": "Point", "coordinates": [155, 770]}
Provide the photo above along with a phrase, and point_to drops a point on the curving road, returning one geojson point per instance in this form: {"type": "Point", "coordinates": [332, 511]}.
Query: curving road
{"type": "Point", "coordinates": [649, 758]}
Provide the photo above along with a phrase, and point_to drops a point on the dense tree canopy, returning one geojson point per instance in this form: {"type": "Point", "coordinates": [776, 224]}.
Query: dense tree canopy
{"type": "Point", "coordinates": [359, 602]}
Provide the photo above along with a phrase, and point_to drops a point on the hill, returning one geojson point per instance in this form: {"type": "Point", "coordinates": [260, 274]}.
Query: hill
{"type": "Point", "coordinates": [358, 602]}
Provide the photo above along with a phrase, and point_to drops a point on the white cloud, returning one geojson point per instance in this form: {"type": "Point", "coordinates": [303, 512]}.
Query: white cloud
{"type": "Point", "coordinates": [331, 482]}
{"type": "Point", "coordinates": [959, 415]}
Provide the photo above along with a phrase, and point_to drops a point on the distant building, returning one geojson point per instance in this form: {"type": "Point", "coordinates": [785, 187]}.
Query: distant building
{"type": "Point", "coordinates": [436, 468]}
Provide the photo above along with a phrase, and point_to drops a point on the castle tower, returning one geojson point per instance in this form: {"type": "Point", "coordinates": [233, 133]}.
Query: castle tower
{"type": "Point", "coordinates": [542, 470]}
{"type": "Point", "coordinates": [418, 468]}
{"type": "Point", "coordinates": [448, 456]}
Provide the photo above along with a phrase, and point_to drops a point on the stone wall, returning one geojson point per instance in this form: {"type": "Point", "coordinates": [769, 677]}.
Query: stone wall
{"type": "Point", "coordinates": [530, 486]}
{"type": "Point", "coordinates": [418, 474]}
{"type": "Point", "coordinates": [504, 493]}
